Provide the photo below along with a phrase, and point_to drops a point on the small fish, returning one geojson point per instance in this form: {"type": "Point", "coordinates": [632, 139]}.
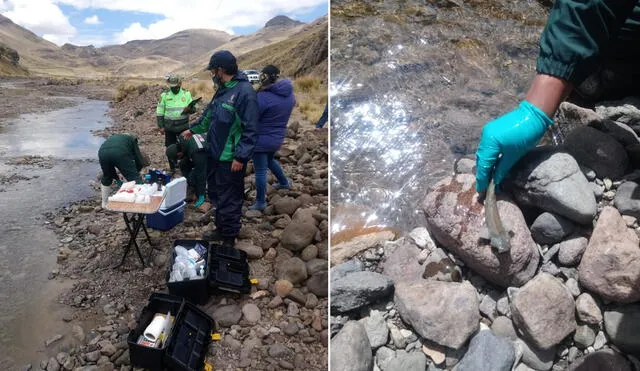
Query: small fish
{"type": "Point", "coordinates": [497, 235]}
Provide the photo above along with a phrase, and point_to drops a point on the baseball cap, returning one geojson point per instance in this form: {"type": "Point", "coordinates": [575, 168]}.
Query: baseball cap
{"type": "Point", "coordinates": [271, 70]}
{"type": "Point", "coordinates": [174, 81]}
{"type": "Point", "coordinates": [222, 58]}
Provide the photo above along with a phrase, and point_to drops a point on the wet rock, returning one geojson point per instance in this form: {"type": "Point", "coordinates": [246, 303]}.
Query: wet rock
{"type": "Point", "coordinates": [287, 205]}
{"type": "Point", "coordinates": [502, 326]}
{"type": "Point", "coordinates": [350, 349]}
{"type": "Point", "coordinates": [598, 151]}
{"type": "Point", "coordinates": [227, 315]}
{"type": "Point", "coordinates": [485, 342]}
{"type": "Point", "coordinates": [358, 290]}
{"type": "Point", "coordinates": [407, 361]}
{"type": "Point", "coordinates": [292, 269]}
{"type": "Point", "coordinates": [456, 220]}
{"type": "Point", "coordinates": [537, 359]}
{"type": "Point", "coordinates": [622, 325]}
{"type": "Point", "coordinates": [626, 199]}
{"type": "Point", "coordinates": [544, 310]}
{"type": "Point", "coordinates": [607, 359]}
{"type": "Point", "coordinates": [553, 182]}
{"type": "Point", "coordinates": [438, 266]}
{"type": "Point", "coordinates": [315, 266]}
{"type": "Point", "coordinates": [465, 166]}
{"type": "Point", "coordinates": [571, 250]}
{"type": "Point", "coordinates": [611, 262]}
{"type": "Point", "coordinates": [251, 313]}
{"type": "Point", "coordinates": [309, 252]}
{"type": "Point", "coordinates": [298, 235]}
{"type": "Point", "coordinates": [587, 309]}
{"type": "Point", "coordinates": [340, 252]}
{"type": "Point", "coordinates": [253, 251]}
{"type": "Point", "coordinates": [571, 116]}
{"type": "Point", "coordinates": [318, 284]}
{"type": "Point", "coordinates": [376, 329]}
{"type": "Point", "coordinates": [283, 288]}
{"type": "Point", "coordinates": [548, 228]}
{"type": "Point", "coordinates": [348, 267]}
{"type": "Point", "coordinates": [426, 306]}
{"type": "Point", "coordinates": [53, 365]}
{"type": "Point", "coordinates": [402, 262]}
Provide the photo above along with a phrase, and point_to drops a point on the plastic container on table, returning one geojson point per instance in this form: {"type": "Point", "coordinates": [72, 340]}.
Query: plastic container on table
{"type": "Point", "coordinates": [166, 219]}
{"type": "Point", "coordinates": [175, 192]}
{"type": "Point", "coordinates": [188, 342]}
{"type": "Point", "coordinates": [194, 290]}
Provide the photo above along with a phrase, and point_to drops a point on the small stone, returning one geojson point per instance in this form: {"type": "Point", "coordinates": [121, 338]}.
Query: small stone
{"type": "Point", "coordinates": [53, 340]}
{"type": "Point", "coordinates": [584, 336]}
{"type": "Point", "coordinates": [275, 302]}
{"type": "Point", "coordinates": [291, 328]}
{"type": "Point", "coordinates": [109, 309]}
{"type": "Point", "coordinates": [106, 348]}
{"type": "Point", "coordinates": [435, 352]}
{"type": "Point", "coordinates": [283, 288]}
{"type": "Point", "coordinates": [309, 252]}
{"type": "Point", "coordinates": [293, 310]}
{"type": "Point", "coordinates": [53, 365]}
{"type": "Point", "coordinates": [93, 356]}
{"type": "Point", "coordinates": [148, 272]}
{"type": "Point", "coordinates": [573, 287]}
{"type": "Point", "coordinates": [251, 313]}
{"type": "Point", "coordinates": [600, 341]}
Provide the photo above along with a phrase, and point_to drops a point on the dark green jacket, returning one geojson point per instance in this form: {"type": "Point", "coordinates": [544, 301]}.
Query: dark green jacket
{"type": "Point", "coordinates": [581, 33]}
{"type": "Point", "coordinates": [122, 145]}
{"type": "Point", "coordinates": [188, 147]}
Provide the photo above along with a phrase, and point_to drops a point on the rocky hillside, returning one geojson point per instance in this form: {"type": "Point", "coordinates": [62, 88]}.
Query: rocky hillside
{"type": "Point", "coordinates": [564, 297]}
{"type": "Point", "coordinates": [303, 54]}
{"type": "Point", "coordinates": [10, 62]}
{"type": "Point", "coordinates": [184, 52]}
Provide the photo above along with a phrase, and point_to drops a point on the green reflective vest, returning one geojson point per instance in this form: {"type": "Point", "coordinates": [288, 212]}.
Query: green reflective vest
{"type": "Point", "coordinates": [169, 110]}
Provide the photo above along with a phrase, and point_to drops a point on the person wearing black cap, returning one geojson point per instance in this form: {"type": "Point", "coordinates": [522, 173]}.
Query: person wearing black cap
{"type": "Point", "coordinates": [275, 101]}
{"type": "Point", "coordinates": [230, 122]}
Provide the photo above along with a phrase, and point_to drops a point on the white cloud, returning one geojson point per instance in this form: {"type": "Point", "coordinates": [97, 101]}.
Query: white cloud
{"type": "Point", "coordinates": [92, 20]}
{"type": "Point", "coordinates": [42, 17]}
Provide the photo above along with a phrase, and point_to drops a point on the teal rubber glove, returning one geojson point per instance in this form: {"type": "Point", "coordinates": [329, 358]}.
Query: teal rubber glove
{"type": "Point", "coordinates": [119, 182]}
{"type": "Point", "coordinates": [199, 201]}
{"type": "Point", "coordinates": [512, 136]}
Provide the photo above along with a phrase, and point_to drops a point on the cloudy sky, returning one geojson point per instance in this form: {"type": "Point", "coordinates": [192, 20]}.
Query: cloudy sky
{"type": "Point", "coordinates": [106, 22]}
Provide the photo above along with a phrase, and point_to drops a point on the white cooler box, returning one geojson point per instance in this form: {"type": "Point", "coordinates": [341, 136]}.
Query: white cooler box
{"type": "Point", "coordinates": [176, 191]}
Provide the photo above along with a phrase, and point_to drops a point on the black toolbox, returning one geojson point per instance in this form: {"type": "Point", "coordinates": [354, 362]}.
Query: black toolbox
{"type": "Point", "coordinates": [196, 291]}
{"type": "Point", "coordinates": [188, 342]}
{"type": "Point", "coordinates": [228, 269]}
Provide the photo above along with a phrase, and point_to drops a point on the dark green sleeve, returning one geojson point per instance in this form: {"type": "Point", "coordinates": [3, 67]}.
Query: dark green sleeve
{"type": "Point", "coordinates": [137, 155]}
{"type": "Point", "coordinates": [202, 125]}
{"type": "Point", "coordinates": [576, 34]}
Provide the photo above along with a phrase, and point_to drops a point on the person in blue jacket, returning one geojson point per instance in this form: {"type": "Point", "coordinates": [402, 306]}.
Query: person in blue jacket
{"type": "Point", "coordinates": [583, 45]}
{"type": "Point", "coordinates": [275, 102]}
{"type": "Point", "coordinates": [231, 121]}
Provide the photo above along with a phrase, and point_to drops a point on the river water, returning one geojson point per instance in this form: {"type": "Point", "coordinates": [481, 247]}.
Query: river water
{"type": "Point", "coordinates": [412, 84]}
{"type": "Point", "coordinates": [29, 312]}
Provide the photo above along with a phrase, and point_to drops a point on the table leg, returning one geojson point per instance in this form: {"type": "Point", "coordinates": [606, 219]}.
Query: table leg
{"type": "Point", "coordinates": [137, 220]}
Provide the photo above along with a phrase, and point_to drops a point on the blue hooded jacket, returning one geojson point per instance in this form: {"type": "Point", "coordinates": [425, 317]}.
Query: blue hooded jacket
{"type": "Point", "coordinates": [275, 103]}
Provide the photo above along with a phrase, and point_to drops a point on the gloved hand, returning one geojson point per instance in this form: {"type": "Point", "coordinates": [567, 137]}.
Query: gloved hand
{"type": "Point", "coordinates": [511, 136]}
{"type": "Point", "coordinates": [199, 201]}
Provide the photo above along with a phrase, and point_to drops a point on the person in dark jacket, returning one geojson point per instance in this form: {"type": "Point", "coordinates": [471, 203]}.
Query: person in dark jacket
{"type": "Point", "coordinates": [121, 152]}
{"type": "Point", "coordinates": [275, 102]}
{"type": "Point", "coordinates": [191, 157]}
{"type": "Point", "coordinates": [583, 44]}
{"type": "Point", "coordinates": [230, 121]}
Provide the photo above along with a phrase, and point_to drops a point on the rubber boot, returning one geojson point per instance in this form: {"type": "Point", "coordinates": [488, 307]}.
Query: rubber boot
{"type": "Point", "coordinates": [200, 201]}
{"type": "Point", "coordinates": [104, 190]}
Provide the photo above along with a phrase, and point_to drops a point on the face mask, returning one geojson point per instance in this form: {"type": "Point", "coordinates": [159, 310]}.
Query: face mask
{"type": "Point", "coordinates": [175, 89]}
{"type": "Point", "coordinates": [217, 81]}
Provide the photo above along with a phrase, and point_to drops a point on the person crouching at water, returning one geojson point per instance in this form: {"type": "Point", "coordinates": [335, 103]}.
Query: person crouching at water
{"type": "Point", "coordinates": [121, 152]}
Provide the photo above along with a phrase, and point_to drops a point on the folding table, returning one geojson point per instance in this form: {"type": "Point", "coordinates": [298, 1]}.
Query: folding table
{"type": "Point", "coordinates": [136, 222]}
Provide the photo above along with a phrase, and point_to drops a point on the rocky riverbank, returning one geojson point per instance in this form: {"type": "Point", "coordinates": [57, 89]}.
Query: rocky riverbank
{"type": "Point", "coordinates": [282, 324]}
{"type": "Point", "coordinates": [563, 298]}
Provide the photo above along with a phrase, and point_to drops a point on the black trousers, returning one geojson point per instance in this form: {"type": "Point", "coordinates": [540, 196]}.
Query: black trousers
{"type": "Point", "coordinates": [226, 192]}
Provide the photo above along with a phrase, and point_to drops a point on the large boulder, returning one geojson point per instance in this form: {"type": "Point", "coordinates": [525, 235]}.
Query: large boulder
{"type": "Point", "coordinates": [622, 325]}
{"type": "Point", "coordinates": [444, 312]}
{"type": "Point", "coordinates": [610, 267]}
{"type": "Point", "coordinates": [606, 359]}
{"type": "Point", "coordinates": [457, 220]}
{"type": "Point", "coordinates": [627, 199]}
{"type": "Point", "coordinates": [544, 310]}
{"type": "Point", "coordinates": [552, 181]}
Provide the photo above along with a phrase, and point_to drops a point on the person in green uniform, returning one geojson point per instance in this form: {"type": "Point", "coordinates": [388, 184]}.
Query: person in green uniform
{"type": "Point", "coordinates": [121, 152]}
{"type": "Point", "coordinates": [170, 113]}
{"type": "Point", "coordinates": [588, 48]}
{"type": "Point", "coordinates": [191, 156]}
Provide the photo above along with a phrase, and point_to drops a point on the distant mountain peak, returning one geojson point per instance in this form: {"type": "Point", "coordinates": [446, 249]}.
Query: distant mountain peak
{"type": "Point", "coordinates": [282, 20]}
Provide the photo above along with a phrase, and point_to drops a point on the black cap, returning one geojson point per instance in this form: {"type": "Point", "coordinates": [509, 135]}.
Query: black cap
{"type": "Point", "coordinates": [271, 70]}
{"type": "Point", "coordinates": [224, 59]}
